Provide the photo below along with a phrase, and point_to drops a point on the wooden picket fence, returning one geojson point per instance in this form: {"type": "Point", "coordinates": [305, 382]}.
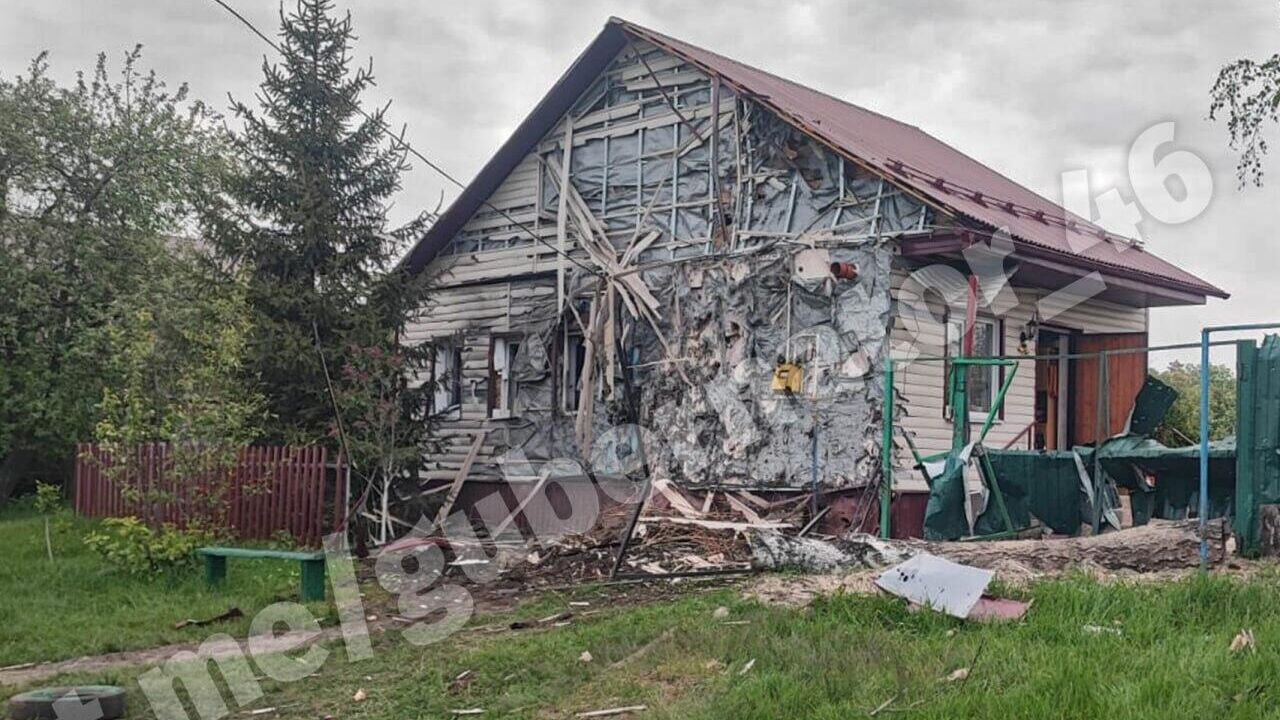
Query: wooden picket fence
{"type": "Point", "coordinates": [269, 490]}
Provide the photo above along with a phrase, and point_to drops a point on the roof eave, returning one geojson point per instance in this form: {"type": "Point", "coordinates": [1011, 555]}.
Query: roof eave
{"type": "Point", "coordinates": [1159, 291]}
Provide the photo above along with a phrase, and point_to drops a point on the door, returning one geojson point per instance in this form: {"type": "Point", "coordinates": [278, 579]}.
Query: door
{"type": "Point", "coordinates": [1125, 375]}
{"type": "Point", "coordinates": [1052, 391]}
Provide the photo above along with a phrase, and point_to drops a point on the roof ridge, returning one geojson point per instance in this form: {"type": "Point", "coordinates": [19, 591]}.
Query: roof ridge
{"type": "Point", "coordinates": [627, 23]}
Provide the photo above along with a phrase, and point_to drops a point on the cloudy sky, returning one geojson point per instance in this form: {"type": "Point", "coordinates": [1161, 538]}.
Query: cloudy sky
{"type": "Point", "coordinates": [1032, 89]}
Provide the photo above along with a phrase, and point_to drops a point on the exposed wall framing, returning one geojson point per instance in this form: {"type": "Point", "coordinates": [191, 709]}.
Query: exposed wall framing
{"type": "Point", "coordinates": [710, 225]}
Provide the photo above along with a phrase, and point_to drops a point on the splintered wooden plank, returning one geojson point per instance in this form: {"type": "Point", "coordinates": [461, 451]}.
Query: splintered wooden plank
{"type": "Point", "coordinates": [459, 479]}
{"type": "Point", "coordinates": [742, 508]}
{"type": "Point", "coordinates": [677, 499]}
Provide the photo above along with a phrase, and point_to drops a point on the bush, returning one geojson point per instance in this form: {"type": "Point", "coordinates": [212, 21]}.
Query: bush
{"type": "Point", "coordinates": [129, 545]}
{"type": "Point", "coordinates": [48, 498]}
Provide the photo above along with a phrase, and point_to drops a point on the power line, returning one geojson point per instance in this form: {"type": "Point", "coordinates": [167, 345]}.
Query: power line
{"type": "Point", "coordinates": [399, 141]}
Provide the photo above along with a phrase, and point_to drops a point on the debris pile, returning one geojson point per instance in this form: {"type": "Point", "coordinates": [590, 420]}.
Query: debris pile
{"type": "Point", "coordinates": [675, 533]}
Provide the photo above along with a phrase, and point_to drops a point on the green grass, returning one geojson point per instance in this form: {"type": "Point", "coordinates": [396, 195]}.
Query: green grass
{"type": "Point", "coordinates": [77, 605]}
{"type": "Point", "coordinates": [842, 658]}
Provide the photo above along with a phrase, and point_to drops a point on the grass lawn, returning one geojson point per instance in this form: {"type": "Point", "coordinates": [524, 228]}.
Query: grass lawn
{"type": "Point", "coordinates": [1165, 656]}
{"type": "Point", "coordinates": [77, 605]}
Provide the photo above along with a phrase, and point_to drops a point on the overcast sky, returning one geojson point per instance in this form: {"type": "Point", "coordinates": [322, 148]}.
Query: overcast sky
{"type": "Point", "coordinates": [1029, 88]}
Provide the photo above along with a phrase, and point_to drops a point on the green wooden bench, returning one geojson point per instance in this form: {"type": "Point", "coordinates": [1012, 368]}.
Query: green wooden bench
{"type": "Point", "coordinates": [215, 566]}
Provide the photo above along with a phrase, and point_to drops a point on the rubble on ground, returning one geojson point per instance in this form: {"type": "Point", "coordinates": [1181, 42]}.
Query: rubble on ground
{"type": "Point", "coordinates": [1160, 545]}
{"type": "Point", "coordinates": [677, 534]}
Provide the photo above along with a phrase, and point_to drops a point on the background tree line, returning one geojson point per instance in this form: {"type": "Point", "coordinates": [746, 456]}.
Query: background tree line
{"type": "Point", "coordinates": [171, 274]}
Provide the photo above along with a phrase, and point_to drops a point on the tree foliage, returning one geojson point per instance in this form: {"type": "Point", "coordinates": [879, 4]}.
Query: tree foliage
{"type": "Point", "coordinates": [1247, 93]}
{"type": "Point", "coordinates": [308, 218]}
{"type": "Point", "coordinates": [175, 355]}
{"type": "Point", "coordinates": [385, 417]}
{"type": "Point", "coordinates": [1182, 425]}
{"type": "Point", "coordinates": [94, 178]}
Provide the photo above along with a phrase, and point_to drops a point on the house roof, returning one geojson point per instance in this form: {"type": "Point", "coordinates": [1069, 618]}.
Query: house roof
{"type": "Point", "coordinates": [910, 156]}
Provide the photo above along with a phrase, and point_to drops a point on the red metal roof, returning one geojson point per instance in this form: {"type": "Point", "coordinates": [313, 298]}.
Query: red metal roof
{"type": "Point", "coordinates": [915, 159]}
{"type": "Point", "coordinates": [934, 169]}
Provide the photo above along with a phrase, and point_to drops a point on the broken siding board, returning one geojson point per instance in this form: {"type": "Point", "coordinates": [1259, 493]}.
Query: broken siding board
{"type": "Point", "coordinates": [520, 187]}
{"type": "Point", "coordinates": [658, 64]}
{"type": "Point", "coordinates": [480, 311]}
{"type": "Point", "coordinates": [506, 264]}
{"type": "Point", "coordinates": [700, 116]}
{"type": "Point", "coordinates": [510, 219]}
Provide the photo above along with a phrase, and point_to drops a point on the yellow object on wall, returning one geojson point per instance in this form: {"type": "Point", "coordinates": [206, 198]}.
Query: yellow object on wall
{"type": "Point", "coordinates": [788, 378]}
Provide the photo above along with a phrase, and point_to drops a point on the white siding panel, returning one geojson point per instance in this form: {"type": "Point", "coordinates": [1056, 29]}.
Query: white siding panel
{"type": "Point", "coordinates": [471, 315]}
{"type": "Point", "coordinates": [922, 383]}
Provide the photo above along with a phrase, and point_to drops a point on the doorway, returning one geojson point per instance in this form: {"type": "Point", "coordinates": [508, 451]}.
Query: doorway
{"type": "Point", "coordinates": [1053, 388]}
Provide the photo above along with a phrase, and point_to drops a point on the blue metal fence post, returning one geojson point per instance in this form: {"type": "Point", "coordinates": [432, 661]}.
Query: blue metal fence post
{"type": "Point", "coordinates": [1204, 427]}
{"type": "Point", "coordinates": [1203, 510]}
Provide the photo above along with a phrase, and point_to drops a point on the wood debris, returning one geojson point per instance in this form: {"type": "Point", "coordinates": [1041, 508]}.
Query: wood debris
{"type": "Point", "coordinates": [230, 614]}
{"type": "Point", "coordinates": [1243, 641]}
{"type": "Point", "coordinates": [462, 681]}
{"type": "Point", "coordinates": [626, 709]}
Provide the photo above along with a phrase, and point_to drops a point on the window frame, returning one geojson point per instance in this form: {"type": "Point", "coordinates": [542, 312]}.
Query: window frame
{"type": "Point", "coordinates": [503, 387]}
{"type": "Point", "coordinates": [996, 372]}
{"type": "Point", "coordinates": [453, 409]}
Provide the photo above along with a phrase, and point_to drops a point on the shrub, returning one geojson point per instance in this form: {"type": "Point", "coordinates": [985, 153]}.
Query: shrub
{"type": "Point", "coordinates": [129, 545]}
{"type": "Point", "coordinates": [48, 498]}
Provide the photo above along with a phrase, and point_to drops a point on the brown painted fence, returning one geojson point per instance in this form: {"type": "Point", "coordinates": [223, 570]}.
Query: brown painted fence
{"type": "Point", "coordinates": [297, 490]}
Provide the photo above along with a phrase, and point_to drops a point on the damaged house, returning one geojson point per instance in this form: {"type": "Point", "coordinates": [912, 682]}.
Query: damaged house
{"type": "Point", "coordinates": [725, 258]}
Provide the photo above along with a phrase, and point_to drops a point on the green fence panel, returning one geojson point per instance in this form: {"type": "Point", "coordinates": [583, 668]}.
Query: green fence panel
{"type": "Point", "coordinates": [1257, 467]}
{"type": "Point", "coordinates": [1044, 484]}
{"type": "Point", "coordinates": [1151, 406]}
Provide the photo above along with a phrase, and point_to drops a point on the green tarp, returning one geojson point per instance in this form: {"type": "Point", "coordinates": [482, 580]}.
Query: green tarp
{"type": "Point", "coordinates": [944, 515]}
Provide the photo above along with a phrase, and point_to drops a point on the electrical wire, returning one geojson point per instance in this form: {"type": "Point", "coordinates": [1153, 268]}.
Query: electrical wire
{"type": "Point", "coordinates": [399, 142]}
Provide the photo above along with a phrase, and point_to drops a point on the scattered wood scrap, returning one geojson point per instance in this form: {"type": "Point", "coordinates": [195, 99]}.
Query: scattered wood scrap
{"type": "Point", "coordinates": [676, 498]}
{"type": "Point", "coordinates": [230, 614]}
{"type": "Point", "coordinates": [613, 711]}
{"type": "Point", "coordinates": [746, 512]}
{"type": "Point", "coordinates": [720, 524]}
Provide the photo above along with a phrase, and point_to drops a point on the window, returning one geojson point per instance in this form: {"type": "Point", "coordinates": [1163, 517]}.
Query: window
{"type": "Point", "coordinates": [981, 382]}
{"type": "Point", "coordinates": [503, 352]}
{"type": "Point", "coordinates": [446, 381]}
{"type": "Point", "coordinates": [575, 357]}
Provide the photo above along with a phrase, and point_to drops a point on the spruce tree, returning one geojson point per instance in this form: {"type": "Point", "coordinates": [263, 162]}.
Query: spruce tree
{"type": "Point", "coordinates": [307, 216]}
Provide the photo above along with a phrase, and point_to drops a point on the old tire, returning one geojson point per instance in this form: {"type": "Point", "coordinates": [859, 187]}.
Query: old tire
{"type": "Point", "coordinates": [69, 703]}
